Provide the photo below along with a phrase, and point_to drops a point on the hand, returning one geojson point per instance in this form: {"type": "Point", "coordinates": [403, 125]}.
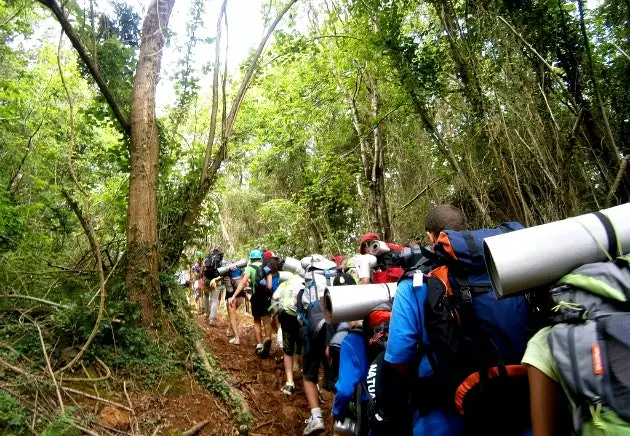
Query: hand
{"type": "Point", "coordinates": [231, 301]}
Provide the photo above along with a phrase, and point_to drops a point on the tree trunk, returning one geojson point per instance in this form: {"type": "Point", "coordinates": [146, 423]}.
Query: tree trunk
{"type": "Point", "coordinates": [378, 166]}
{"type": "Point", "coordinates": [141, 275]}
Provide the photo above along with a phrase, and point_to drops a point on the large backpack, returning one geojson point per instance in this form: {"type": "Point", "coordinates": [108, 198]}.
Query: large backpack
{"type": "Point", "coordinates": [212, 263]}
{"type": "Point", "coordinates": [590, 344]}
{"type": "Point", "coordinates": [476, 341]}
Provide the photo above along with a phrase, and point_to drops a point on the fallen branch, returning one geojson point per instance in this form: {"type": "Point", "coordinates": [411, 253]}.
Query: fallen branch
{"type": "Point", "coordinates": [89, 379]}
{"type": "Point", "coordinates": [39, 300]}
{"type": "Point", "coordinates": [14, 368]}
{"type": "Point", "coordinates": [95, 398]}
{"type": "Point", "coordinates": [196, 428]}
{"type": "Point", "coordinates": [259, 426]}
{"type": "Point", "coordinates": [50, 370]}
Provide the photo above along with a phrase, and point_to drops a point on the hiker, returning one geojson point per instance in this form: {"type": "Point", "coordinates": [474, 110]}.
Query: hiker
{"type": "Point", "coordinates": [446, 329]}
{"type": "Point", "coordinates": [583, 356]}
{"type": "Point", "coordinates": [211, 265]}
{"type": "Point", "coordinates": [386, 270]}
{"type": "Point", "coordinates": [285, 301]}
{"type": "Point", "coordinates": [233, 280]}
{"type": "Point", "coordinates": [364, 342]}
{"type": "Point", "coordinates": [314, 334]}
{"type": "Point", "coordinates": [197, 282]}
{"type": "Point", "coordinates": [260, 301]}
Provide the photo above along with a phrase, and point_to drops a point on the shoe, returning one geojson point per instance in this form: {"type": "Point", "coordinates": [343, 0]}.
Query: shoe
{"type": "Point", "coordinates": [314, 426]}
{"type": "Point", "coordinates": [259, 349]}
{"type": "Point", "coordinates": [266, 348]}
{"type": "Point", "coordinates": [233, 341]}
{"type": "Point", "coordinates": [229, 333]}
{"type": "Point", "coordinates": [288, 389]}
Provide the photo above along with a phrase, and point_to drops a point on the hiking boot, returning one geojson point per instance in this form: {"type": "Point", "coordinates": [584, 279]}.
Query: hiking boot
{"type": "Point", "coordinates": [233, 341]}
{"type": "Point", "coordinates": [266, 348]}
{"type": "Point", "coordinates": [259, 349]}
{"type": "Point", "coordinates": [314, 426]}
{"type": "Point", "coordinates": [288, 389]}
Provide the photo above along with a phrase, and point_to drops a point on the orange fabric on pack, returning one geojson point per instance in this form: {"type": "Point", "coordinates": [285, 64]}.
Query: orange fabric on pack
{"type": "Point", "coordinates": [446, 244]}
{"type": "Point", "coordinates": [472, 380]}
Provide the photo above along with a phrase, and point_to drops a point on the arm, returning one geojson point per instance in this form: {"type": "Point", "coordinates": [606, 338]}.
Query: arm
{"type": "Point", "coordinates": [242, 285]}
{"type": "Point", "coordinates": [269, 282]}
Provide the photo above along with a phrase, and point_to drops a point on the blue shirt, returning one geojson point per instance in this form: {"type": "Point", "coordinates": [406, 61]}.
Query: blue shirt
{"type": "Point", "coordinates": [406, 330]}
{"type": "Point", "coordinates": [353, 369]}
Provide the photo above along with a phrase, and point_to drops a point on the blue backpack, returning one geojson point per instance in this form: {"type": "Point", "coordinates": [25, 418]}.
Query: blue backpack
{"type": "Point", "coordinates": [476, 341]}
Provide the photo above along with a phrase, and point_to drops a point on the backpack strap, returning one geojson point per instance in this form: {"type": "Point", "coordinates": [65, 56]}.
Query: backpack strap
{"type": "Point", "coordinates": [611, 235]}
{"type": "Point", "coordinates": [475, 252]}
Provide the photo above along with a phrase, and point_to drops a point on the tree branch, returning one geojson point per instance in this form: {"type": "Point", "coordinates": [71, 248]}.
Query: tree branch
{"type": "Point", "coordinates": [39, 300]}
{"type": "Point", "coordinates": [50, 371]}
{"type": "Point", "coordinates": [85, 57]}
{"type": "Point", "coordinates": [419, 194]}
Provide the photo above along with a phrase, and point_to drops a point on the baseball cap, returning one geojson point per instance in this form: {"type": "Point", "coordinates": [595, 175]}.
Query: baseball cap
{"type": "Point", "coordinates": [370, 236]}
{"type": "Point", "coordinates": [255, 254]}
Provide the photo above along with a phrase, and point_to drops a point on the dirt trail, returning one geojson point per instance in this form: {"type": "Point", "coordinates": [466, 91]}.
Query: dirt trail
{"type": "Point", "coordinates": [260, 380]}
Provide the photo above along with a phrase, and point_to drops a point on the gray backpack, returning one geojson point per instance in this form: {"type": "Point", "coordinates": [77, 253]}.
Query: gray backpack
{"type": "Point", "coordinates": [590, 344]}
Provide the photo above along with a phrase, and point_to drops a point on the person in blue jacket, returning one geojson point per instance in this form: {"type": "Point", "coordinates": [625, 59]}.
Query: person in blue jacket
{"type": "Point", "coordinates": [359, 348]}
{"type": "Point", "coordinates": [406, 331]}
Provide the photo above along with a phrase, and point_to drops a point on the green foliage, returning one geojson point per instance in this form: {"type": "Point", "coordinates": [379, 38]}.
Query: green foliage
{"type": "Point", "coordinates": [62, 424]}
{"type": "Point", "coordinates": [13, 418]}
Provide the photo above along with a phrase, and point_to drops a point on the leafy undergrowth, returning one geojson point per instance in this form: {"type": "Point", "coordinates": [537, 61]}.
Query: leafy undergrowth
{"type": "Point", "coordinates": [125, 382]}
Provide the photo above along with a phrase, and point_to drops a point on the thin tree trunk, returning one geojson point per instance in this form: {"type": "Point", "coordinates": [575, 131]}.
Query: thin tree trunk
{"type": "Point", "coordinates": [141, 275]}
{"type": "Point", "coordinates": [180, 228]}
{"type": "Point", "coordinates": [378, 166]}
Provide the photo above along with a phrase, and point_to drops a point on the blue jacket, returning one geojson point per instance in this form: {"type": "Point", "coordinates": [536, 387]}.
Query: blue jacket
{"type": "Point", "coordinates": [353, 369]}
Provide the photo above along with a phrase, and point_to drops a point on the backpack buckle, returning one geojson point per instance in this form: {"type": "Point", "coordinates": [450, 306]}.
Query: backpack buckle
{"type": "Point", "coordinates": [466, 294]}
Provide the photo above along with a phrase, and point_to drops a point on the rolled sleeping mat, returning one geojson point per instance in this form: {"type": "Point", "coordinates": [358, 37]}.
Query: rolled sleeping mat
{"type": "Point", "coordinates": [308, 260]}
{"type": "Point", "coordinates": [541, 255]}
{"type": "Point", "coordinates": [378, 248]}
{"type": "Point", "coordinates": [293, 265]}
{"type": "Point", "coordinates": [284, 276]}
{"type": "Point", "coordinates": [354, 302]}
{"type": "Point", "coordinates": [226, 269]}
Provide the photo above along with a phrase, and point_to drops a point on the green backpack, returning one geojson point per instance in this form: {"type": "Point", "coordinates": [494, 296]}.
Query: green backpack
{"type": "Point", "coordinates": [590, 345]}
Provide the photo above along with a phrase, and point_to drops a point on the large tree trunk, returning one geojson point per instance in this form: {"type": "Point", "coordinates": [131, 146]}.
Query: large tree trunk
{"type": "Point", "coordinates": [141, 275]}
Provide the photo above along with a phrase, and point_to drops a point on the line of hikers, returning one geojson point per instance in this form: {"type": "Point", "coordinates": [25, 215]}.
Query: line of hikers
{"type": "Point", "coordinates": [447, 357]}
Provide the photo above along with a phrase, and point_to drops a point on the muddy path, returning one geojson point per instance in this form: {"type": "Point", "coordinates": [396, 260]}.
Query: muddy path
{"type": "Point", "coordinates": [259, 381]}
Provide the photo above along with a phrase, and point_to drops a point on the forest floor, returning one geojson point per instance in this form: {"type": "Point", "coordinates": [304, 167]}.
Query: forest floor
{"type": "Point", "coordinates": [258, 380]}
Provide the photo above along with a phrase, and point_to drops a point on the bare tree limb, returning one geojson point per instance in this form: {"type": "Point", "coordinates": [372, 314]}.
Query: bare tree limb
{"type": "Point", "coordinates": [215, 94]}
{"type": "Point", "coordinates": [227, 133]}
{"type": "Point", "coordinates": [419, 194]}
{"type": "Point", "coordinates": [95, 398]}
{"type": "Point", "coordinates": [196, 428]}
{"type": "Point", "coordinates": [623, 165]}
{"type": "Point", "coordinates": [14, 368]}
{"type": "Point", "coordinates": [108, 374]}
{"type": "Point", "coordinates": [50, 370]}
{"type": "Point", "coordinates": [90, 65]}
{"type": "Point", "coordinates": [39, 300]}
